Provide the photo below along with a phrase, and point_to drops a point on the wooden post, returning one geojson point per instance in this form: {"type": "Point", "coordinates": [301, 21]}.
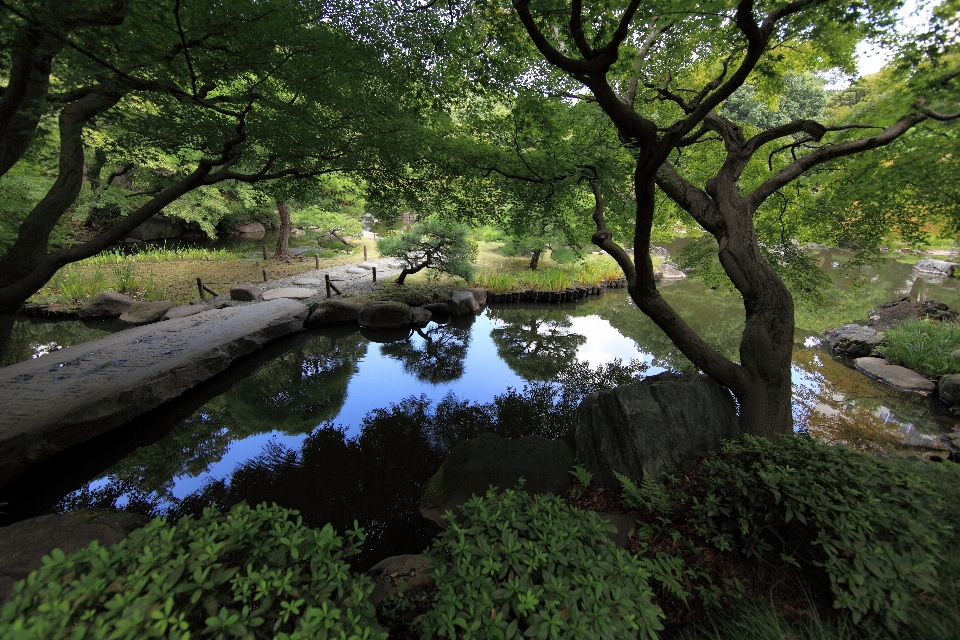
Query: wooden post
{"type": "Point", "coordinates": [200, 288]}
{"type": "Point", "coordinates": [326, 277]}
{"type": "Point", "coordinates": [263, 248]}
{"type": "Point", "coordinates": [365, 257]}
{"type": "Point", "coordinates": [264, 275]}
{"type": "Point", "coordinates": [374, 274]}
{"type": "Point", "coordinates": [318, 262]}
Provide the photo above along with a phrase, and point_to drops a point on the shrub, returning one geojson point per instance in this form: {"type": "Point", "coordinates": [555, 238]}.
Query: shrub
{"type": "Point", "coordinates": [563, 254]}
{"type": "Point", "coordinates": [253, 573]}
{"type": "Point", "coordinates": [531, 566]}
{"type": "Point", "coordinates": [431, 244]}
{"type": "Point", "coordinates": [871, 526]}
{"type": "Point", "coordinates": [924, 346]}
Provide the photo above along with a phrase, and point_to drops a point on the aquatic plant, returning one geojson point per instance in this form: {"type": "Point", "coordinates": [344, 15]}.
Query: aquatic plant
{"type": "Point", "coordinates": [924, 346]}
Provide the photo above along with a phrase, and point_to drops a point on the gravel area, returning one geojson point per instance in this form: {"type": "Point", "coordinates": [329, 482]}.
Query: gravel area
{"type": "Point", "coordinates": [354, 284]}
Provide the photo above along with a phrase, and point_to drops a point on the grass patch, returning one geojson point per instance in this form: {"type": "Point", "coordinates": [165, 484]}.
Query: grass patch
{"type": "Point", "coordinates": [159, 273]}
{"type": "Point", "coordinates": [501, 274]}
{"type": "Point", "coordinates": [924, 346]}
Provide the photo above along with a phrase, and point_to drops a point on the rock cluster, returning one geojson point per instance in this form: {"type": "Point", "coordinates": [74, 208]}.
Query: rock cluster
{"type": "Point", "coordinates": [393, 315]}
{"type": "Point", "coordinates": [854, 340]}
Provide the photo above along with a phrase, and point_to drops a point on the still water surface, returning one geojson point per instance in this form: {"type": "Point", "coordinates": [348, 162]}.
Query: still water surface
{"type": "Point", "coordinates": [343, 427]}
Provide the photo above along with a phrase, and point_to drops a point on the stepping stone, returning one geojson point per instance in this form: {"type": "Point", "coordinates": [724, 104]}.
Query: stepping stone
{"type": "Point", "coordinates": [309, 282]}
{"type": "Point", "coordinates": [357, 270]}
{"type": "Point", "coordinates": [185, 310]}
{"type": "Point", "coordinates": [894, 375]}
{"type": "Point", "coordinates": [367, 265]}
{"type": "Point", "coordinates": [245, 292]}
{"type": "Point", "coordinates": [146, 312]}
{"type": "Point", "coordinates": [297, 293]}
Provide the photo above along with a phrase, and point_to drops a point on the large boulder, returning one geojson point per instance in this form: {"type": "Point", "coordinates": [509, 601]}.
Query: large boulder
{"type": "Point", "coordinates": [57, 400]}
{"type": "Point", "coordinates": [895, 376]}
{"type": "Point", "coordinates": [463, 303]}
{"type": "Point", "coordinates": [421, 316]}
{"type": "Point", "coordinates": [385, 315]}
{"type": "Point", "coordinates": [669, 271]}
{"type": "Point", "coordinates": [948, 388]}
{"type": "Point", "coordinates": [439, 310]}
{"type": "Point", "coordinates": [853, 340]}
{"type": "Point", "coordinates": [662, 424]}
{"type": "Point", "coordinates": [474, 465]}
{"type": "Point", "coordinates": [388, 575]}
{"type": "Point", "coordinates": [146, 312]}
{"type": "Point", "coordinates": [244, 292]}
{"type": "Point", "coordinates": [23, 544]}
{"type": "Point", "coordinates": [106, 304]}
{"type": "Point", "coordinates": [337, 311]}
{"type": "Point", "coordinates": [252, 229]}
{"type": "Point", "coordinates": [934, 267]}
{"type": "Point", "coordinates": [933, 310]}
{"type": "Point", "coordinates": [158, 228]}
{"type": "Point", "coordinates": [479, 294]}
{"type": "Point", "coordinates": [891, 313]}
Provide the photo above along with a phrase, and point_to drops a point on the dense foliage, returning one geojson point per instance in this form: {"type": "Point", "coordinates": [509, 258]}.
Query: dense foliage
{"type": "Point", "coordinates": [251, 573]}
{"type": "Point", "coordinates": [873, 528]}
{"type": "Point", "coordinates": [530, 566]}
{"type": "Point", "coordinates": [925, 346]}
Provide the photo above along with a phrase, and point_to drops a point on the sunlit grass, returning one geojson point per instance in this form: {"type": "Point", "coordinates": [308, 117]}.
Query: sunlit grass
{"type": "Point", "coordinates": [924, 346]}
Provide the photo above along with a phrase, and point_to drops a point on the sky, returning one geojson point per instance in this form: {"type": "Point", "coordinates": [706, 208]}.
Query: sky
{"type": "Point", "coordinates": [914, 14]}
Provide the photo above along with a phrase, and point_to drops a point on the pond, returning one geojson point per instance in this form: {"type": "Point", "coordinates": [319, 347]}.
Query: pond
{"type": "Point", "coordinates": [342, 427]}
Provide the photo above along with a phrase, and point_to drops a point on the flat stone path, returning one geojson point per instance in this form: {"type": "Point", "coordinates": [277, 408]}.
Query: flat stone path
{"type": "Point", "coordinates": [69, 396]}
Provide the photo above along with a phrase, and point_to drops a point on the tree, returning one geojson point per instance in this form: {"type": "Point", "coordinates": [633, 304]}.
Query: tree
{"type": "Point", "coordinates": [239, 91]}
{"type": "Point", "coordinates": [660, 73]}
{"type": "Point", "coordinates": [431, 244]}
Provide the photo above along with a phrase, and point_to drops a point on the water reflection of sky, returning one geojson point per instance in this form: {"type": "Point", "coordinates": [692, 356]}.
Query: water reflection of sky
{"type": "Point", "coordinates": [380, 380]}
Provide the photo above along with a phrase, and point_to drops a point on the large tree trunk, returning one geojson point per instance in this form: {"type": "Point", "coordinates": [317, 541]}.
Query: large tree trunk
{"type": "Point", "coordinates": [283, 241]}
{"type": "Point", "coordinates": [535, 259]}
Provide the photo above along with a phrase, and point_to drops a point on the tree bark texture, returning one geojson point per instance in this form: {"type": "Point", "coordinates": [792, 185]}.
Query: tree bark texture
{"type": "Point", "coordinates": [283, 240]}
{"type": "Point", "coordinates": [535, 259]}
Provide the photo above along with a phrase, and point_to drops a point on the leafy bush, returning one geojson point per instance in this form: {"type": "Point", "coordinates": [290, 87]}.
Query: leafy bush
{"type": "Point", "coordinates": [563, 255]}
{"type": "Point", "coordinates": [871, 526]}
{"type": "Point", "coordinates": [432, 244]}
{"type": "Point", "coordinates": [531, 566]}
{"type": "Point", "coordinates": [253, 573]}
{"type": "Point", "coordinates": [924, 346]}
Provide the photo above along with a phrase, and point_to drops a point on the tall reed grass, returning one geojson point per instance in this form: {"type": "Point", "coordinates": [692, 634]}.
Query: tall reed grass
{"type": "Point", "coordinates": [924, 346]}
{"type": "Point", "coordinates": [591, 271]}
{"type": "Point", "coordinates": [162, 254]}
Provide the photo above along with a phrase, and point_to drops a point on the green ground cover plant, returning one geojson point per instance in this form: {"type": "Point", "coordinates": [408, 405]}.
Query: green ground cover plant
{"type": "Point", "coordinates": [250, 573]}
{"type": "Point", "coordinates": [531, 566]}
{"type": "Point", "coordinates": [924, 346]}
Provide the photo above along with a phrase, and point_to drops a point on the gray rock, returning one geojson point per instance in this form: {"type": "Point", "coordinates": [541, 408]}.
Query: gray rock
{"type": "Point", "coordinates": [356, 270]}
{"type": "Point", "coordinates": [669, 271]}
{"type": "Point", "coordinates": [948, 388]}
{"type": "Point", "coordinates": [106, 304]}
{"type": "Point", "coordinates": [69, 396]}
{"type": "Point", "coordinates": [952, 442]}
{"type": "Point", "coordinates": [158, 228]}
{"type": "Point", "coordinates": [853, 340]}
{"type": "Point", "coordinates": [479, 294]}
{"type": "Point", "coordinates": [895, 376]}
{"type": "Point", "coordinates": [385, 315]}
{"type": "Point", "coordinates": [185, 310]}
{"type": "Point", "coordinates": [252, 228]}
{"type": "Point", "coordinates": [933, 310]}
{"type": "Point", "coordinates": [663, 424]}
{"type": "Point", "coordinates": [388, 575]}
{"type": "Point", "coordinates": [625, 526]}
{"type": "Point", "coordinates": [438, 309]}
{"type": "Point", "coordinates": [146, 312]}
{"type": "Point", "coordinates": [421, 317]}
{"type": "Point", "coordinates": [463, 303]}
{"type": "Point", "coordinates": [245, 292]}
{"type": "Point", "coordinates": [369, 266]}
{"type": "Point", "coordinates": [23, 544]}
{"type": "Point", "coordinates": [309, 282]}
{"type": "Point", "coordinates": [295, 293]}
{"type": "Point", "coordinates": [337, 311]}
{"type": "Point", "coordinates": [474, 465]}
{"type": "Point", "coordinates": [892, 313]}
{"type": "Point", "coordinates": [934, 267]}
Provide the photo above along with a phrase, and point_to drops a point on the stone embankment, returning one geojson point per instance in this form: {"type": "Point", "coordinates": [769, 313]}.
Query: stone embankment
{"type": "Point", "coordinates": [69, 396]}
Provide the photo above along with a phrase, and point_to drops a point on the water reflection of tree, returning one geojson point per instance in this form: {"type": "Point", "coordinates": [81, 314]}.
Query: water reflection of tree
{"type": "Point", "coordinates": [34, 337]}
{"type": "Point", "coordinates": [535, 343]}
{"type": "Point", "coordinates": [376, 479]}
{"type": "Point", "coordinates": [437, 357]}
{"type": "Point", "coordinates": [293, 393]}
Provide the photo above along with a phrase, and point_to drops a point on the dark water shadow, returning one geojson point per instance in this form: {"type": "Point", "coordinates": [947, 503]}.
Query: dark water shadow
{"type": "Point", "coordinates": [37, 490]}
